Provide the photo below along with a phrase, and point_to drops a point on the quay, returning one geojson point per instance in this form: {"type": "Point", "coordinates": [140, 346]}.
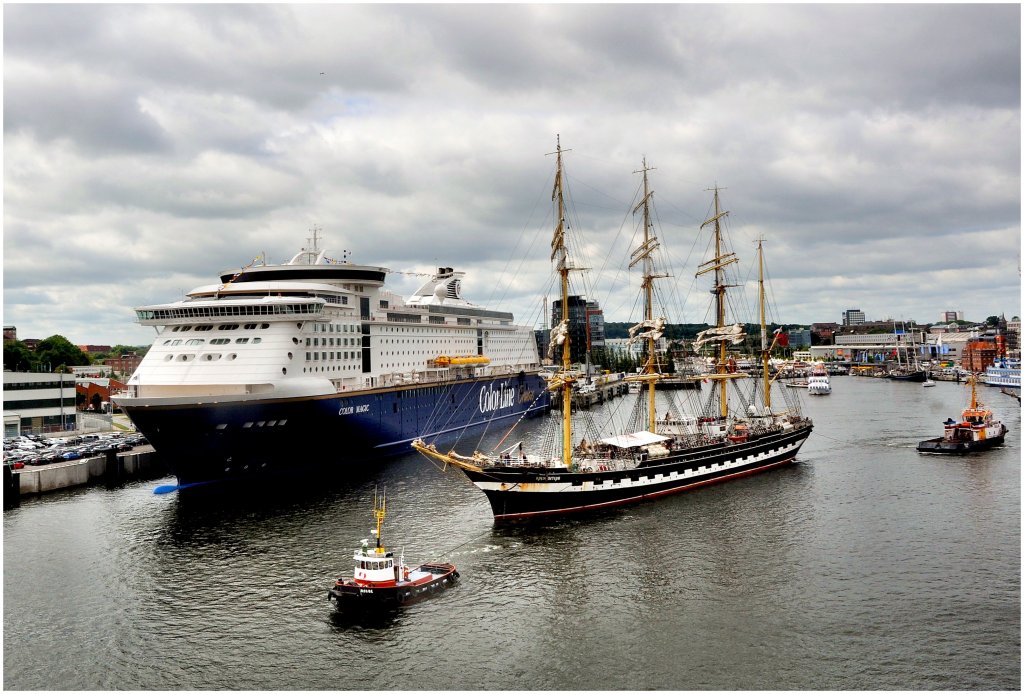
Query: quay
{"type": "Point", "coordinates": [604, 387]}
{"type": "Point", "coordinates": [139, 463]}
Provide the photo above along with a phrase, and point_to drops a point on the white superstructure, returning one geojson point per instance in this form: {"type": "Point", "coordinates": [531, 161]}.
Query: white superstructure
{"type": "Point", "coordinates": [314, 326]}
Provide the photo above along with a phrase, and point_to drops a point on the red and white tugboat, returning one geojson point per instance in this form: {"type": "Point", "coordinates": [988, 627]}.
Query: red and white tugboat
{"type": "Point", "coordinates": [978, 430]}
{"type": "Point", "coordinates": [379, 580]}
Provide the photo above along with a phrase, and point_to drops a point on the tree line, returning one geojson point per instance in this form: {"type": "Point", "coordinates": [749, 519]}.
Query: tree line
{"type": "Point", "coordinates": [56, 354]}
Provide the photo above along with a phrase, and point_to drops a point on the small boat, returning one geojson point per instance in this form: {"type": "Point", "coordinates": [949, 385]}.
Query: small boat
{"type": "Point", "coordinates": [380, 581]}
{"type": "Point", "coordinates": [928, 383]}
{"type": "Point", "coordinates": [978, 430]}
{"type": "Point", "coordinates": [818, 382]}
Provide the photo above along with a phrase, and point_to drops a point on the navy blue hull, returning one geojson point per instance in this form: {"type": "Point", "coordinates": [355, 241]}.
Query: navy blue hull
{"type": "Point", "coordinates": [214, 441]}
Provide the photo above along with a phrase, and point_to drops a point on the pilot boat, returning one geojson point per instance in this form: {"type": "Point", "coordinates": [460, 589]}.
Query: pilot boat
{"type": "Point", "coordinates": [379, 580]}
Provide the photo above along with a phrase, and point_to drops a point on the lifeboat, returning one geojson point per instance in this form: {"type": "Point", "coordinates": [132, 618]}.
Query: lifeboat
{"type": "Point", "coordinates": [474, 360]}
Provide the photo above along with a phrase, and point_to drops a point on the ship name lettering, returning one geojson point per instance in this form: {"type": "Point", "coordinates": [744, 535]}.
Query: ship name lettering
{"type": "Point", "coordinates": [358, 409]}
{"type": "Point", "coordinates": [497, 398]}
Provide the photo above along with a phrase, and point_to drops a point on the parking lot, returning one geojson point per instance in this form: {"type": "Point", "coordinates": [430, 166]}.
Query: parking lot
{"type": "Point", "coordinates": [33, 449]}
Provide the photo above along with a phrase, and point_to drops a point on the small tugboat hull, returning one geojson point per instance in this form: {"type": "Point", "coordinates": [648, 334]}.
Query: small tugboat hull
{"type": "Point", "coordinates": [941, 445]}
{"type": "Point", "coordinates": [423, 581]}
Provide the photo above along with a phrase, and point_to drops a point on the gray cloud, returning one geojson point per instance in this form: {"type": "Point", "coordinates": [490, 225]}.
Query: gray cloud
{"type": "Point", "coordinates": [150, 147]}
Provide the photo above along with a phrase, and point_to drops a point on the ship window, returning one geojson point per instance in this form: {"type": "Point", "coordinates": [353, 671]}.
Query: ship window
{"type": "Point", "coordinates": [232, 356]}
{"type": "Point", "coordinates": [264, 326]}
{"type": "Point", "coordinates": [241, 341]}
{"type": "Point", "coordinates": [247, 425]}
{"type": "Point", "coordinates": [257, 340]}
{"type": "Point", "coordinates": [290, 355]}
{"type": "Point", "coordinates": [228, 326]}
{"type": "Point", "coordinates": [176, 329]}
{"type": "Point", "coordinates": [250, 326]}
{"type": "Point", "coordinates": [169, 357]}
{"type": "Point", "coordinates": [282, 422]}
{"type": "Point", "coordinates": [203, 328]}
{"type": "Point", "coordinates": [284, 371]}
{"type": "Point", "coordinates": [222, 426]}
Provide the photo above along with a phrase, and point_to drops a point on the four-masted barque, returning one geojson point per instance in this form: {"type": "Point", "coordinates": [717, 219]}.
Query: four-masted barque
{"type": "Point", "coordinates": [670, 454]}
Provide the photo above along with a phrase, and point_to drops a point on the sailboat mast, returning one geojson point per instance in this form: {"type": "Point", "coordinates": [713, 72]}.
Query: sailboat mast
{"type": "Point", "coordinates": [720, 309]}
{"type": "Point", "coordinates": [765, 347]}
{"type": "Point", "coordinates": [648, 304]}
{"type": "Point", "coordinates": [559, 251]}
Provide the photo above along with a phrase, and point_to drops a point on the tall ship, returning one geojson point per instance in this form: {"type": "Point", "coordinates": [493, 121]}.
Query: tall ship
{"type": "Point", "coordinates": [578, 468]}
{"type": "Point", "coordinates": [314, 362]}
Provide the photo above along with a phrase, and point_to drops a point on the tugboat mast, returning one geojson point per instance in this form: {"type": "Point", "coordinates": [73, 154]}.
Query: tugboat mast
{"type": "Point", "coordinates": [379, 508]}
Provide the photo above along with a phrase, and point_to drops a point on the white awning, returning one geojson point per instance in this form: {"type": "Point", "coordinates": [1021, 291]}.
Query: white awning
{"type": "Point", "coordinates": [639, 438]}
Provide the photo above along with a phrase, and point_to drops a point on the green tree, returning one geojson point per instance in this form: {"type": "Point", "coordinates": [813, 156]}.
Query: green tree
{"type": "Point", "coordinates": [56, 351]}
{"type": "Point", "coordinates": [17, 356]}
{"type": "Point", "coordinates": [992, 320]}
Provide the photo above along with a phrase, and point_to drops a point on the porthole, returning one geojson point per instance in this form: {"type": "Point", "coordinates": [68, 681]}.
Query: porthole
{"type": "Point", "coordinates": [290, 355]}
{"type": "Point", "coordinates": [232, 356]}
{"type": "Point", "coordinates": [169, 357]}
{"type": "Point", "coordinates": [284, 371]}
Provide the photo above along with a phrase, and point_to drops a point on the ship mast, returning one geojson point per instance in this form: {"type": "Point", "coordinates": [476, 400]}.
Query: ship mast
{"type": "Point", "coordinates": [560, 255]}
{"type": "Point", "coordinates": [765, 347]}
{"type": "Point", "coordinates": [717, 264]}
{"type": "Point", "coordinates": [643, 252]}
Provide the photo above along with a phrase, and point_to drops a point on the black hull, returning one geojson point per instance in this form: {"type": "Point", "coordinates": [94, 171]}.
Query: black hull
{"type": "Point", "coordinates": [520, 495]}
{"type": "Point", "coordinates": [914, 377]}
{"type": "Point", "coordinates": [352, 596]}
{"type": "Point", "coordinates": [940, 445]}
{"type": "Point", "coordinates": [214, 441]}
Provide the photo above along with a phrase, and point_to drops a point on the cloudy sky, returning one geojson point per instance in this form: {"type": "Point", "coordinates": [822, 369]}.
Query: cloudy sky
{"type": "Point", "coordinates": [147, 148]}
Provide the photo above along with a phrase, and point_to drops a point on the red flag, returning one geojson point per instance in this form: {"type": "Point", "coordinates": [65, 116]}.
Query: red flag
{"type": "Point", "coordinates": [781, 338]}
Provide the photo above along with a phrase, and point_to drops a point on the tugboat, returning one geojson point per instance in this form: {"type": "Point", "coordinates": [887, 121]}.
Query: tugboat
{"type": "Point", "coordinates": [978, 430]}
{"type": "Point", "coordinates": [380, 581]}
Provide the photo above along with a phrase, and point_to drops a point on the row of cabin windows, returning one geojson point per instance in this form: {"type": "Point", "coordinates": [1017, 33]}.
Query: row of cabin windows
{"type": "Point", "coordinates": [226, 326]}
{"type": "Point", "coordinates": [317, 356]}
{"type": "Point", "coordinates": [376, 565]}
{"type": "Point", "coordinates": [329, 341]}
{"type": "Point", "coordinates": [330, 328]}
{"type": "Point", "coordinates": [216, 341]}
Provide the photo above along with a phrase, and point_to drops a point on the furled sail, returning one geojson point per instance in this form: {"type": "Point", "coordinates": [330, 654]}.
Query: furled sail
{"type": "Point", "coordinates": [730, 333]}
{"type": "Point", "coordinates": [558, 335]}
{"type": "Point", "coordinates": [655, 329]}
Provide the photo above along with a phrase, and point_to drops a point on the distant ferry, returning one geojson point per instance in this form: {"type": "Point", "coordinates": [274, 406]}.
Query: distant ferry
{"type": "Point", "coordinates": [314, 361]}
{"type": "Point", "coordinates": [1004, 373]}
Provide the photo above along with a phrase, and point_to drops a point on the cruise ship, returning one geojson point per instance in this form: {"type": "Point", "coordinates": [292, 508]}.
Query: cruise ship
{"type": "Point", "coordinates": [314, 362]}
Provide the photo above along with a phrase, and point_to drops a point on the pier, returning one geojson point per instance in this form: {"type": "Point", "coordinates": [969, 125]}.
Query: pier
{"type": "Point", "coordinates": [142, 463]}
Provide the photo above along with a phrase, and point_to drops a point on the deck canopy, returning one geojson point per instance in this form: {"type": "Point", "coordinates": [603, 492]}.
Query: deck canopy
{"type": "Point", "coordinates": [638, 438]}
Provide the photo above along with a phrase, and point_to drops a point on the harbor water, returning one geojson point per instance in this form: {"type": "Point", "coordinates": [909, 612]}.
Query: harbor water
{"type": "Point", "coordinates": [866, 565]}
